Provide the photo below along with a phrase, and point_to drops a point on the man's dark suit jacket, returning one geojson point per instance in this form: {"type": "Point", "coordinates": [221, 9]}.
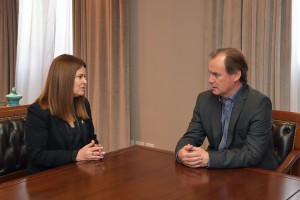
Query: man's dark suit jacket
{"type": "Point", "coordinates": [44, 139]}
{"type": "Point", "coordinates": [249, 139]}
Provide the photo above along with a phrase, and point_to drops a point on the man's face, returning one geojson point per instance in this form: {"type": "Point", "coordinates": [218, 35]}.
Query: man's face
{"type": "Point", "coordinates": [222, 83]}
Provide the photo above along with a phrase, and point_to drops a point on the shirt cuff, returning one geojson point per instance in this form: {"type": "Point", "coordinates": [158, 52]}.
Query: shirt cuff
{"type": "Point", "coordinates": [177, 159]}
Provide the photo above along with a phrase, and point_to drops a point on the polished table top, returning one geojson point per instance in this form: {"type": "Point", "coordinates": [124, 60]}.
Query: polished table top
{"type": "Point", "coordinates": [145, 173]}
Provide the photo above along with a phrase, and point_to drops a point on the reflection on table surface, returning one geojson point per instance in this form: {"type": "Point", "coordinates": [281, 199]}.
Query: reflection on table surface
{"type": "Point", "coordinates": [144, 173]}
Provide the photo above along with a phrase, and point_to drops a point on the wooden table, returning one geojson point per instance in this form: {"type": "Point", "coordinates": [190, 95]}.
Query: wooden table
{"type": "Point", "coordinates": [145, 173]}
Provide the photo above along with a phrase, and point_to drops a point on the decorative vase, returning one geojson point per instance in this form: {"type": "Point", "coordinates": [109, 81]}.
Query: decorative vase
{"type": "Point", "coordinates": [13, 98]}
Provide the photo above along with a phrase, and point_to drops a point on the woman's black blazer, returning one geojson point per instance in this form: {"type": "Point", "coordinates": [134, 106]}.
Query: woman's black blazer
{"type": "Point", "coordinates": [44, 138]}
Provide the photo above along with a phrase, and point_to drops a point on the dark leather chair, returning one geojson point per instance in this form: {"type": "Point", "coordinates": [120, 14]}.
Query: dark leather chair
{"type": "Point", "coordinates": [13, 157]}
{"type": "Point", "coordinates": [286, 136]}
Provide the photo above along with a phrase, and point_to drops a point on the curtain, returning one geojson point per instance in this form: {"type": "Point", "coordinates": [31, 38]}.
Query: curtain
{"type": "Point", "coordinates": [266, 41]}
{"type": "Point", "coordinates": [45, 31]}
{"type": "Point", "coordinates": [262, 30]}
{"type": "Point", "coordinates": [295, 82]}
{"type": "Point", "coordinates": [101, 39]}
{"type": "Point", "coordinates": [8, 45]}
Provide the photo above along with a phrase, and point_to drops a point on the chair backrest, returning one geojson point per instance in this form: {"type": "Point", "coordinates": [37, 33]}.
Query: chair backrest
{"type": "Point", "coordinates": [13, 157]}
{"type": "Point", "coordinates": [286, 133]}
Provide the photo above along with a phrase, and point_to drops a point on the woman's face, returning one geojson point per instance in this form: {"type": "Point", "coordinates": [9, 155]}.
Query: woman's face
{"type": "Point", "coordinates": [80, 82]}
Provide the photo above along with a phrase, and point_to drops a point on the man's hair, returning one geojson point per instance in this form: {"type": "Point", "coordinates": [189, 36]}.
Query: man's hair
{"type": "Point", "coordinates": [58, 91]}
{"type": "Point", "coordinates": [235, 60]}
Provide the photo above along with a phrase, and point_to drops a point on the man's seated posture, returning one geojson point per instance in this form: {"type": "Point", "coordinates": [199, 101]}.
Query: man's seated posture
{"type": "Point", "coordinates": [235, 118]}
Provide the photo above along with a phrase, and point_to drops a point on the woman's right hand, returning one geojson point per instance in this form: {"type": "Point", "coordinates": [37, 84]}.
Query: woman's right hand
{"type": "Point", "coordinates": [91, 151]}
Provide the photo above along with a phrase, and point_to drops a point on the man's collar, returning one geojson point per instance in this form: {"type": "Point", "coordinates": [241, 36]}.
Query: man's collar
{"type": "Point", "coordinates": [233, 96]}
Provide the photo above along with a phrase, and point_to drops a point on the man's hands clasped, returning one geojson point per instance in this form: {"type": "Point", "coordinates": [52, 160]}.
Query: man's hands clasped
{"type": "Point", "coordinates": [193, 156]}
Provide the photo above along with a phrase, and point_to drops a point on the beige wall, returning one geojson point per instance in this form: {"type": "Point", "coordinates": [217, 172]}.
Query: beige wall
{"type": "Point", "coordinates": [166, 41]}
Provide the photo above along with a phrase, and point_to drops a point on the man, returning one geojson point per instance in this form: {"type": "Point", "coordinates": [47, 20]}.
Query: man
{"type": "Point", "coordinates": [235, 118]}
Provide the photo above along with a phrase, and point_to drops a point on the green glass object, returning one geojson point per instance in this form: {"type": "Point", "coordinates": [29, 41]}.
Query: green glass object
{"type": "Point", "coordinates": [13, 98]}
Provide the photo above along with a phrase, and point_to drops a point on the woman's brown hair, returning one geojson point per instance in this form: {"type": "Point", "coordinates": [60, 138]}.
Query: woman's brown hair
{"type": "Point", "coordinates": [57, 95]}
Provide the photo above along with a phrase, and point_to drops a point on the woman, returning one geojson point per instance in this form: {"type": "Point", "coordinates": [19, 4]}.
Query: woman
{"type": "Point", "coordinates": [59, 127]}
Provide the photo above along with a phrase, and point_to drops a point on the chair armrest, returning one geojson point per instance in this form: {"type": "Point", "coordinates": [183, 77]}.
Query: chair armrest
{"type": "Point", "coordinates": [289, 162]}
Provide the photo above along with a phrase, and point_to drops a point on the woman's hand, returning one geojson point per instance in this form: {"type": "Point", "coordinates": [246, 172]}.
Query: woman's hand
{"type": "Point", "coordinates": [91, 151]}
